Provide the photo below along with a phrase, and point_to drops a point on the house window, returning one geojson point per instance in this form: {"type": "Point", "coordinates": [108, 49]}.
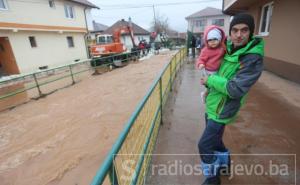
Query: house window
{"type": "Point", "coordinates": [32, 42]}
{"type": "Point", "coordinates": [70, 42]}
{"type": "Point", "coordinates": [69, 11]}
{"type": "Point", "coordinates": [51, 3]}
{"type": "Point", "coordinates": [200, 23]}
{"type": "Point", "coordinates": [3, 5]}
{"type": "Point", "coordinates": [265, 20]}
{"type": "Point", "coordinates": [218, 22]}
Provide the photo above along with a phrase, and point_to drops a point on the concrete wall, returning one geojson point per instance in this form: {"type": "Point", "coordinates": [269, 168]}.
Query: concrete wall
{"type": "Point", "coordinates": [52, 49]}
{"type": "Point", "coordinates": [38, 12]}
{"type": "Point", "coordinates": [283, 40]}
{"type": "Point", "coordinates": [282, 43]}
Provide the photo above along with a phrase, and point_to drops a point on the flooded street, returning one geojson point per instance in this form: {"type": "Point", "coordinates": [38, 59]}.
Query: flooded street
{"type": "Point", "coordinates": [64, 137]}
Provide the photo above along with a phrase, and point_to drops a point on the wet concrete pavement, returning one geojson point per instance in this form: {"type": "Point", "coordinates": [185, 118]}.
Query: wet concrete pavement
{"type": "Point", "coordinates": [263, 140]}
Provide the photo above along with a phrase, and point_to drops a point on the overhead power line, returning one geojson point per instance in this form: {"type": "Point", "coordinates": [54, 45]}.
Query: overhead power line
{"type": "Point", "coordinates": [132, 6]}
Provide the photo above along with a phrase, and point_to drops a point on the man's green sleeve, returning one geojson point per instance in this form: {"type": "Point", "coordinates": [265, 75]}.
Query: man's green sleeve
{"type": "Point", "coordinates": [217, 82]}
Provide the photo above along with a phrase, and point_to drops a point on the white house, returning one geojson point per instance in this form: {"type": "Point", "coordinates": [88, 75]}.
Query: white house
{"type": "Point", "coordinates": [208, 16]}
{"type": "Point", "coordinates": [42, 33]}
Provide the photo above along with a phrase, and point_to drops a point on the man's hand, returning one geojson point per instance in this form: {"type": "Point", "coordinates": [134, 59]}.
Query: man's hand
{"type": "Point", "coordinates": [203, 80]}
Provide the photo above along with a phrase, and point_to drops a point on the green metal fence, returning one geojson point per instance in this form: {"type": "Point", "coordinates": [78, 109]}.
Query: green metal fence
{"type": "Point", "coordinates": [138, 138]}
{"type": "Point", "coordinates": [21, 88]}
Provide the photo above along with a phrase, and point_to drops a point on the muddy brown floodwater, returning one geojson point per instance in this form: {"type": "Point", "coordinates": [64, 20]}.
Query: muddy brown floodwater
{"type": "Point", "coordinates": [64, 137]}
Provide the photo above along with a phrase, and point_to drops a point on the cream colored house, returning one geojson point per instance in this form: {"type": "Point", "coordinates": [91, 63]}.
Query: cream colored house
{"type": "Point", "coordinates": [41, 33]}
{"type": "Point", "coordinates": [277, 22]}
{"type": "Point", "coordinates": [208, 16]}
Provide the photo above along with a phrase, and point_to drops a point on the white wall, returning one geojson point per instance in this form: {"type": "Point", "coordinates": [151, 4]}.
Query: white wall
{"type": "Point", "coordinates": [89, 19]}
{"type": "Point", "coordinates": [52, 49]}
{"type": "Point", "coordinates": [226, 22]}
{"type": "Point", "coordinates": [209, 22]}
{"type": "Point", "coordinates": [38, 12]}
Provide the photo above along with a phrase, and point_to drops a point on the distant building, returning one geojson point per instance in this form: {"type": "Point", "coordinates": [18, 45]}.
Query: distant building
{"type": "Point", "coordinates": [277, 22]}
{"type": "Point", "coordinates": [97, 29]}
{"type": "Point", "coordinates": [176, 37]}
{"type": "Point", "coordinates": [208, 16]}
{"type": "Point", "coordinates": [41, 33]}
{"type": "Point", "coordinates": [139, 33]}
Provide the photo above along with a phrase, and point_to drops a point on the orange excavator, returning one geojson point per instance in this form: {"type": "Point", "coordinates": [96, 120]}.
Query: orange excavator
{"type": "Point", "coordinates": [108, 45]}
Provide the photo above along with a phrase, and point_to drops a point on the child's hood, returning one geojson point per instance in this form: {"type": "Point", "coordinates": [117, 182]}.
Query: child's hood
{"type": "Point", "coordinates": [208, 28]}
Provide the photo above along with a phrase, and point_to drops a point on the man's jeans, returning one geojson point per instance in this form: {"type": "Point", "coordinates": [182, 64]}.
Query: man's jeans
{"type": "Point", "coordinates": [211, 141]}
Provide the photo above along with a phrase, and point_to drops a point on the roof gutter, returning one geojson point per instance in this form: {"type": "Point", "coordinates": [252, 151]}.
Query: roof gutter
{"type": "Point", "coordinates": [223, 7]}
{"type": "Point", "coordinates": [86, 5]}
{"type": "Point", "coordinates": [87, 29]}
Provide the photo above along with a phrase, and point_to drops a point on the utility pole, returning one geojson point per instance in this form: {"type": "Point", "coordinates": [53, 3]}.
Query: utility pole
{"type": "Point", "coordinates": [154, 18]}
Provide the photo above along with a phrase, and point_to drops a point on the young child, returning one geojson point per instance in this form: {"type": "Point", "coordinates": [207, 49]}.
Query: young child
{"type": "Point", "coordinates": [212, 54]}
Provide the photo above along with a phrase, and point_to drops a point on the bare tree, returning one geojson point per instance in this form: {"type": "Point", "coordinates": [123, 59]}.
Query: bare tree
{"type": "Point", "coordinates": [160, 23]}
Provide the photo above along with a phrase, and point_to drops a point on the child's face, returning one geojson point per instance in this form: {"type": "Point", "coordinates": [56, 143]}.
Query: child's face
{"type": "Point", "coordinates": [213, 43]}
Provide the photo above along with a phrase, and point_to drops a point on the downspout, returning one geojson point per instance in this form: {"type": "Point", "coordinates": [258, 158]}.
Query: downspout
{"type": "Point", "coordinates": [86, 34]}
{"type": "Point", "coordinates": [223, 7]}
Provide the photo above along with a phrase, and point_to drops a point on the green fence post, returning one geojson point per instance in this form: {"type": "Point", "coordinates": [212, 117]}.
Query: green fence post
{"type": "Point", "coordinates": [181, 58]}
{"type": "Point", "coordinates": [175, 65]}
{"type": "Point", "coordinates": [161, 100]}
{"type": "Point", "coordinates": [171, 76]}
{"type": "Point", "coordinates": [180, 55]}
{"type": "Point", "coordinates": [112, 175]}
{"type": "Point", "coordinates": [37, 85]}
{"type": "Point", "coordinates": [73, 81]}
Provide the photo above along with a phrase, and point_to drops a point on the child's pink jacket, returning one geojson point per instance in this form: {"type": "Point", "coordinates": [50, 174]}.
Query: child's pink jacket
{"type": "Point", "coordinates": [211, 58]}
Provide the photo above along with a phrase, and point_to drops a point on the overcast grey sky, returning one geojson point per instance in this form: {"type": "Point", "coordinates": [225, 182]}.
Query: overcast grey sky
{"type": "Point", "coordinates": [141, 12]}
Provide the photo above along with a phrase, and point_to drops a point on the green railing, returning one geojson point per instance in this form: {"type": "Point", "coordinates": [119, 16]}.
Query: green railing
{"type": "Point", "coordinates": [21, 88]}
{"type": "Point", "coordinates": [138, 138]}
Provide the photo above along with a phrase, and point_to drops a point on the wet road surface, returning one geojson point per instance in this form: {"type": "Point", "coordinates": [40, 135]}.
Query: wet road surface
{"type": "Point", "coordinates": [263, 140]}
{"type": "Point", "coordinates": [63, 138]}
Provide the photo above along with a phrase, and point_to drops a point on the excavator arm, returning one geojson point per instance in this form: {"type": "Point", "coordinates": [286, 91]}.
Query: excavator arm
{"type": "Point", "coordinates": [124, 30]}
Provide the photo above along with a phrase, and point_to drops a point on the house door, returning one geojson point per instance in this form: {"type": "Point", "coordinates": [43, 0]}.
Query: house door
{"type": "Point", "coordinates": [8, 65]}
